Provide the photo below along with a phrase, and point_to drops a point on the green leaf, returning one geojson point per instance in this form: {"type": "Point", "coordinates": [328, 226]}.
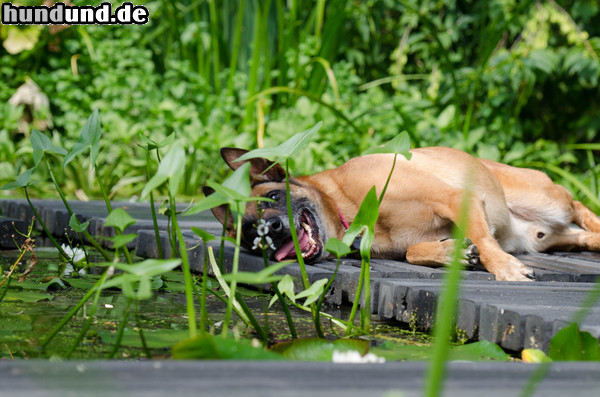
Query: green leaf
{"type": "Point", "coordinates": [570, 344]}
{"type": "Point", "coordinates": [119, 219]}
{"type": "Point", "coordinates": [22, 181]}
{"type": "Point", "coordinates": [364, 223]}
{"type": "Point", "coordinates": [337, 247]}
{"type": "Point", "coordinates": [154, 338]}
{"type": "Point", "coordinates": [263, 277]}
{"type": "Point", "coordinates": [400, 144]}
{"type": "Point", "coordinates": [171, 168]}
{"type": "Point", "coordinates": [41, 145]}
{"type": "Point", "coordinates": [27, 296]}
{"type": "Point", "coordinates": [204, 235]}
{"type": "Point", "coordinates": [313, 293]}
{"type": "Point", "coordinates": [211, 347]}
{"type": "Point", "coordinates": [208, 202]}
{"type": "Point", "coordinates": [285, 150]}
{"type": "Point", "coordinates": [286, 287]}
{"type": "Point", "coordinates": [122, 240]}
{"type": "Point", "coordinates": [88, 139]}
{"type": "Point", "coordinates": [76, 226]}
{"type": "Point", "coordinates": [151, 144]}
{"type": "Point", "coordinates": [481, 350]}
{"type": "Point", "coordinates": [149, 267]}
{"type": "Point", "coordinates": [316, 349]}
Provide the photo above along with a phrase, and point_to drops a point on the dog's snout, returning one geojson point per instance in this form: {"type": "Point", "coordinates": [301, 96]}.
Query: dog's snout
{"type": "Point", "coordinates": [275, 224]}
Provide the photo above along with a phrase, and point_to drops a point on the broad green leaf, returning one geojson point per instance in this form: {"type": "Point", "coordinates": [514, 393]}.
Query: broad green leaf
{"type": "Point", "coordinates": [285, 287]}
{"type": "Point", "coordinates": [41, 144]}
{"type": "Point", "coordinates": [133, 286]}
{"type": "Point", "coordinates": [148, 268]}
{"type": "Point", "coordinates": [76, 226]}
{"type": "Point", "coordinates": [211, 347]}
{"type": "Point", "coordinates": [337, 247]}
{"type": "Point", "coordinates": [285, 150]}
{"type": "Point", "coordinates": [253, 278]}
{"type": "Point", "coordinates": [122, 240]}
{"type": "Point", "coordinates": [400, 144]}
{"type": "Point", "coordinates": [239, 181]}
{"type": "Point", "coordinates": [155, 338]}
{"type": "Point", "coordinates": [204, 235]}
{"type": "Point", "coordinates": [316, 349]}
{"type": "Point", "coordinates": [206, 203]}
{"type": "Point", "coordinates": [119, 219]}
{"type": "Point", "coordinates": [570, 344]}
{"type": "Point", "coordinates": [313, 293]}
{"type": "Point", "coordinates": [171, 168]}
{"type": "Point", "coordinates": [481, 350]}
{"type": "Point", "coordinates": [22, 181]}
{"type": "Point", "coordinates": [26, 296]}
{"type": "Point", "coordinates": [364, 223]}
{"type": "Point", "coordinates": [89, 138]}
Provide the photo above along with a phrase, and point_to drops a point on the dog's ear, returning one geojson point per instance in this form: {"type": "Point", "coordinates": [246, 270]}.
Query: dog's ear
{"type": "Point", "coordinates": [261, 170]}
{"type": "Point", "coordinates": [220, 211]}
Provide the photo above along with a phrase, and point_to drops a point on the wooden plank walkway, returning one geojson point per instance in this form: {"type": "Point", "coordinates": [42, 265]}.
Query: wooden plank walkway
{"type": "Point", "coordinates": [515, 315]}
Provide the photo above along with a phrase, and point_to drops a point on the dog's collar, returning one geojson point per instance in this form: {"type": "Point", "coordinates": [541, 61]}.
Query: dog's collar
{"type": "Point", "coordinates": [357, 240]}
{"type": "Point", "coordinates": [346, 226]}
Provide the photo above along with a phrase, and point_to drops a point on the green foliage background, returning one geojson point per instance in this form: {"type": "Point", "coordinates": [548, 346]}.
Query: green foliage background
{"type": "Point", "coordinates": [513, 81]}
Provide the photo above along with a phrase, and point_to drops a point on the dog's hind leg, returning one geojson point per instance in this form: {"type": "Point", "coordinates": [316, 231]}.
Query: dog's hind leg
{"type": "Point", "coordinates": [440, 253]}
{"type": "Point", "coordinates": [585, 218]}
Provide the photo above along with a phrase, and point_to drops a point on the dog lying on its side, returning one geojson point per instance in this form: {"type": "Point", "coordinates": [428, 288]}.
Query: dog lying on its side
{"type": "Point", "coordinates": [512, 209]}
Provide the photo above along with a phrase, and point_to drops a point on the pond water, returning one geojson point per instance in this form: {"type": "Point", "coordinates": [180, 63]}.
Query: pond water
{"type": "Point", "coordinates": [31, 309]}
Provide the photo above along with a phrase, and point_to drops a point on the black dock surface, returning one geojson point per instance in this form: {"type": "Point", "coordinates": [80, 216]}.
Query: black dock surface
{"type": "Point", "coordinates": [515, 315]}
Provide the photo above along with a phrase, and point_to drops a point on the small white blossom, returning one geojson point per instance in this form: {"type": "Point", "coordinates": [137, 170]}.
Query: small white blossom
{"type": "Point", "coordinates": [269, 241]}
{"type": "Point", "coordinates": [75, 254]}
{"type": "Point", "coordinates": [259, 243]}
{"type": "Point", "coordinates": [262, 229]}
{"type": "Point", "coordinates": [354, 357]}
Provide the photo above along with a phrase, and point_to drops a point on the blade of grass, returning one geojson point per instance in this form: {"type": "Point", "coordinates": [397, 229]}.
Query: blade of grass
{"type": "Point", "coordinates": [446, 306]}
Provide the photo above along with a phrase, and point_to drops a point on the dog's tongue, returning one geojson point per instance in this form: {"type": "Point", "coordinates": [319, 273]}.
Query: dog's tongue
{"type": "Point", "coordinates": [287, 250]}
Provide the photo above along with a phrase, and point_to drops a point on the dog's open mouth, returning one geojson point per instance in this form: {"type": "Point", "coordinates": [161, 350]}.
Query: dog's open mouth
{"type": "Point", "coordinates": [308, 239]}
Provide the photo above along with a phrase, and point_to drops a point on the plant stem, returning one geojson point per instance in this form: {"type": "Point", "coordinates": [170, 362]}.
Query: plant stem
{"type": "Point", "coordinates": [234, 270]}
{"type": "Point", "coordinates": [189, 294]}
{"type": "Point", "coordinates": [120, 331]}
{"type": "Point", "coordinates": [153, 211]}
{"type": "Point", "coordinates": [74, 310]}
{"type": "Point", "coordinates": [305, 281]}
{"type": "Point", "coordinates": [86, 326]}
{"type": "Point", "coordinates": [68, 207]}
{"type": "Point", "coordinates": [44, 228]}
{"type": "Point", "coordinates": [282, 301]}
{"type": "Point", "coordinates": [109, 208]}
{"type": "Point", "coordinates": [446, 307]}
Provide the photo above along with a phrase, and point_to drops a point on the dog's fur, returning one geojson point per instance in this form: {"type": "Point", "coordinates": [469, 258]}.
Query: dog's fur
{"type": "Point", "coordinates": [511, 210]}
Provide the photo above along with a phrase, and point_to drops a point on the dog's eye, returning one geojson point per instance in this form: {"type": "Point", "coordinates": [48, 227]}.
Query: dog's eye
{"type": "Point", "coordinates": [274, 195]}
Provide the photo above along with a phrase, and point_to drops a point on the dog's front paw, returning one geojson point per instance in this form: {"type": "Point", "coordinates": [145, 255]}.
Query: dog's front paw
{"type": "Point", "coordinates": [470, 254]}
{"type": "Point", "coordinates": [514, 270]}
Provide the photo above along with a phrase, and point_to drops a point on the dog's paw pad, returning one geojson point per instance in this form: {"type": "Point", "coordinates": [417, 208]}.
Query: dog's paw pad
{"type": "Point", "coordinates": [471, 254]}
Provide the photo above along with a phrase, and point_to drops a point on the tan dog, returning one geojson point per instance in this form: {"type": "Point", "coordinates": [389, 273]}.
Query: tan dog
{"type": "Point", "coordinates": [512, 209]}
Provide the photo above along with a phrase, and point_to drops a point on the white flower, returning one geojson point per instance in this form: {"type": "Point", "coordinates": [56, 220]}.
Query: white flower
{"type": "Point", "coordinates": [259, 243]}
{"type": "Point", "coordinates": [354, 357]}
{"type": "Point", "coordinates": [262, 229]}
{"type": "Point", "coordinates": [256, 243]}
{"type": "Point", "coordinates": [74, 254]}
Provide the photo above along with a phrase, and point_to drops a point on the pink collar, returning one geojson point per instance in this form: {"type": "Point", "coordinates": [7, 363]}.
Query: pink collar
{"type": "Point", "coordinates": [343, 219]}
